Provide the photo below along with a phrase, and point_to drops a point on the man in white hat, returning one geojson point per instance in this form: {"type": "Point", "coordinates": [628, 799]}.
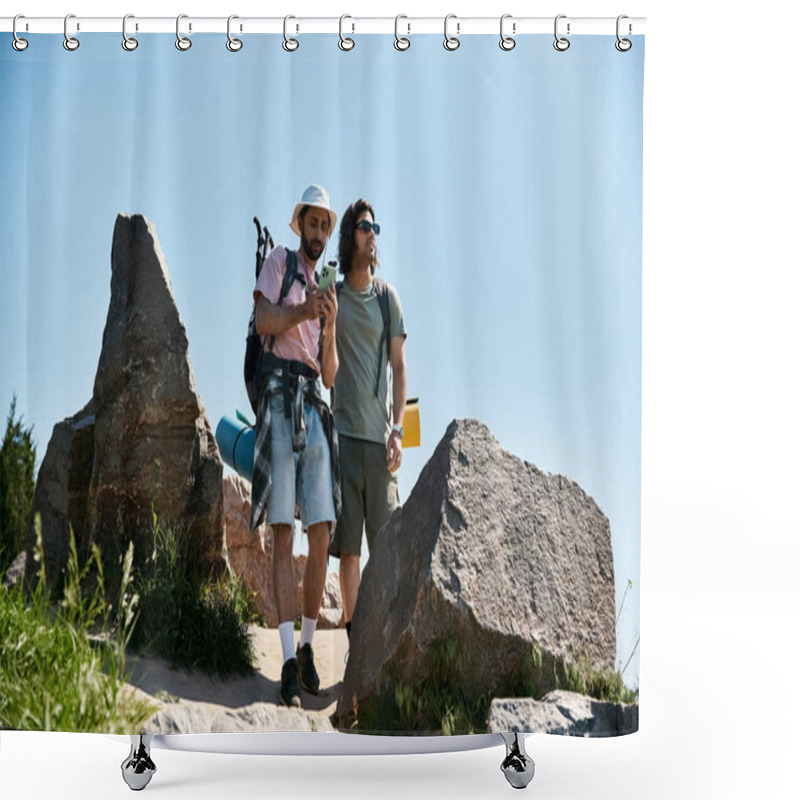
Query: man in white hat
{"type": "Point", "coordinates": [296, 455]}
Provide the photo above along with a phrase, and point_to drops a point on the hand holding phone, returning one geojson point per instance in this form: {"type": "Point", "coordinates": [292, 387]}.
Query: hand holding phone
{"type": "Point", "coordinates": [328, 277]}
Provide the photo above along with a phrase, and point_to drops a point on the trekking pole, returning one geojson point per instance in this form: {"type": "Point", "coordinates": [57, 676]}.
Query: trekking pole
{"type": "Point", "coordinates": [261, 242]}
{"type": "Point", "coordinates": [265, 244]}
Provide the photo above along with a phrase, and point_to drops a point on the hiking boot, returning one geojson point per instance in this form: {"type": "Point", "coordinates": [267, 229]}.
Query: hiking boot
{"type": "Point", "coordinates": [290, 683]}
{"type": "Point", "coordinates": [309, 679]}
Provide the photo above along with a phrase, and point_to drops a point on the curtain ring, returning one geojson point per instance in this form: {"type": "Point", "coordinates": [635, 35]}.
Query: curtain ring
{"type": "Point", "coordinates": [451, 42]}
{"type": "Point", "coordinates": [19, 44]}
{"type": "Point", "coordinates": [70, 42]}
{"type": "Point", "coordinates": [289, 44]}
{"type": "Point", "coordinates": [623, 45]}
{"type": "Point", "coordinates": [233, 44]}
{"type": "Point", "coordinates": [506, 42]}
{"type": "Point", "coordinates": [181, 42]}
{"type": "Point", "coordinates": [345, 42]}
{"type": "Point", "coordinates": [561, 44]}
{"type": "Point", "coordinates": [128, 42]}
{"type": "Point", "coordinates": [400, 42]}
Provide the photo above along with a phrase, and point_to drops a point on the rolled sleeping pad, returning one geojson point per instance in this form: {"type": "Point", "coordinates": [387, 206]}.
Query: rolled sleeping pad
{"type": "Point", "coordinates": [236, 440]}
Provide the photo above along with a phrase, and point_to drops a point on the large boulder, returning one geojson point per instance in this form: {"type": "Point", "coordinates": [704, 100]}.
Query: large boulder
{"type": "Point", "coordinates": [504, 566]}
{"type": "Point", "coordinates": [153, 445]}
{"type": "Point", "coordinates": [564, 713]}
{"type": "Point", "coordinates": [61, 492]}
{"type": "Point", "coordinates": [250, 557]}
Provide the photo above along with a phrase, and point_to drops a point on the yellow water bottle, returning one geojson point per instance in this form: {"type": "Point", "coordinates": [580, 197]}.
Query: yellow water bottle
{"type": "Point", "coordinates": [411, 428]}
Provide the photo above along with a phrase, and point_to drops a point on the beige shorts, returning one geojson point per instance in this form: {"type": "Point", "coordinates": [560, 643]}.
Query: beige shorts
{"type": "Point", "coordinates": [369, 494]}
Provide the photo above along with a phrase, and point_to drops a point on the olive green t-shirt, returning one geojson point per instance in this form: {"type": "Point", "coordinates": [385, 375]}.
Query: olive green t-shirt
{"type": "Point", "coordinates": [359, 325]}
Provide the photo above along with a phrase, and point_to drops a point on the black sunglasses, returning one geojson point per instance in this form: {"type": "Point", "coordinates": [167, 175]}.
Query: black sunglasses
{"type": "Point", "coordinates": [368, 226]}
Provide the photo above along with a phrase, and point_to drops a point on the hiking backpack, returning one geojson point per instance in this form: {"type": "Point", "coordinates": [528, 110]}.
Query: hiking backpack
{"type": "Point", "coordinates": [254, 346]}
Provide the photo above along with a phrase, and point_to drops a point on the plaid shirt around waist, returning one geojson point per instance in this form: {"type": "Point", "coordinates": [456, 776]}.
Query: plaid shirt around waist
{"type": "Point", "coordinates": [299, 390]}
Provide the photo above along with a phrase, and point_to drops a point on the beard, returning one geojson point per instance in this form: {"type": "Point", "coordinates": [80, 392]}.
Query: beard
{"type": "Point", "coordinates": [311, 250]}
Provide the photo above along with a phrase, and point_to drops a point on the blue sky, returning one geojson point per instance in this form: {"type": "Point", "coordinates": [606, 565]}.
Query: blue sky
{"type": "Point", "coordinates": [507, 185]}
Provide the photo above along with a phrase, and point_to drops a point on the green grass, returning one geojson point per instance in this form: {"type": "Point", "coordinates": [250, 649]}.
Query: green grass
{"type": "Point", "coordinates": [442, 703]}
{"type": "Point", "coordinates": [62, 665]}
{"type": "Point", "coordinates": [438, 703]}
{"type": "Point", "coordinates": [537, 676]}
{"type": "Point", "coordinates": [193, 623]}
{"type": "Point", "coordinates": [599, 684]}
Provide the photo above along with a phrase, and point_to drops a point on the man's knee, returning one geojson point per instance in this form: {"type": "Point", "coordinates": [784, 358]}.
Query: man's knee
{"type": "Point", "coordinates": [319, 537]}
{"type": "Point", "coordinates": [349, 561]}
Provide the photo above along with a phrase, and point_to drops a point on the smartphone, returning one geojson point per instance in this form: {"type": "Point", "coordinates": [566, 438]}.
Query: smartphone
{"type": "Point", "coordinates": [328, 277]}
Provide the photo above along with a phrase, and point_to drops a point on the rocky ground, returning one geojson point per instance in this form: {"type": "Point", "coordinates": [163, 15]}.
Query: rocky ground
{"type": "Point", "coordinates": [190, 702]}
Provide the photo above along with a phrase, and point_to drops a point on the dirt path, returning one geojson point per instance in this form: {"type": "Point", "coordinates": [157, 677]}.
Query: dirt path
{"type": "Point", "coordinates": [212, 697]}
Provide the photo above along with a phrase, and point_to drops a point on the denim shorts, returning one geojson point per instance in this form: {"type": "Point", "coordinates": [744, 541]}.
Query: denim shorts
{"type": "Point", "coordinates": [303, 479]}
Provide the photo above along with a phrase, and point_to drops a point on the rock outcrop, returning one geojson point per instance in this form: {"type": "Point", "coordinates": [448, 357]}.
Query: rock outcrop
{"type": "Point", "coordinates": [250, 557]}
{"type": "Point", "coordinates": [565, 713]}
{"type": "Point", "coordinates": [143, 443]}
{"type": "Point", "coordinates": [493, 556]}
{"type": "Point", "coordinates": [61, 493]}
{"type": "Point", "coordinates": [154, 448]}
{"type": "Point", "coordinates": [256, 718]}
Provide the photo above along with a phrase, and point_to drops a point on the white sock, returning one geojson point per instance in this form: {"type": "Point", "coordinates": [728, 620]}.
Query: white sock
{"type": "Point", "coordinates": [307, 629]}
{"type": "Point", "coordinates": [286, 630]}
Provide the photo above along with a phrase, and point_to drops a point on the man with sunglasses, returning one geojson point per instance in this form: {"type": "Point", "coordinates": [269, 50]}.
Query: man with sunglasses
{"type": "Point", "coordinates": [370, 341]}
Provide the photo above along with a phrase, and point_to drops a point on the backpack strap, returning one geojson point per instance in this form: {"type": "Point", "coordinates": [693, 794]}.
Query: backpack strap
{"type": "Point", "coordinates": [382, 290]}
{"type": "Point", "coordinates": [289, 277]}
{"type": "Point", "coordinates": [338, 286]}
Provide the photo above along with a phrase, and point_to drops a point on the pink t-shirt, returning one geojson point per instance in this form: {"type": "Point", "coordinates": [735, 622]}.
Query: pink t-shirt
{"type": "Point", "coordinates": [300, 343]}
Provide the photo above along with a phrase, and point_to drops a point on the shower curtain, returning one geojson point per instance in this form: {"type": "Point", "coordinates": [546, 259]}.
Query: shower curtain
{"type": "Point", "coordinates": [475, 470]}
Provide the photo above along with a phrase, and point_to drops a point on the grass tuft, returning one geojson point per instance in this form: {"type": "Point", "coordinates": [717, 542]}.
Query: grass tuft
{"type": "Point", "coordinates": [439, 703]}
{"type": "Point", "coordinates": [599, 684]}
{"type": "Point", "coordinates": [62, 665]}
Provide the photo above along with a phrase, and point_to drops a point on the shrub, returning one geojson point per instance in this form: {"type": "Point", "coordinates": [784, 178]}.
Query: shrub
{"type": "Point", "coordinates": [17, 462]}
{"type": "Point", "coordinates": [193, 624]}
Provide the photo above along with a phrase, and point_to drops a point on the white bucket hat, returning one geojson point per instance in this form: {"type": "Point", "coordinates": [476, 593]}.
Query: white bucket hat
{"type": "Point", "coordinates": [316, 196]}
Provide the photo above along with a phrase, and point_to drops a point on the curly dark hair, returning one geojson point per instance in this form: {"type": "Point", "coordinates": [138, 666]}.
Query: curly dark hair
{"type": "Point", "coordinates": [347, 234]}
